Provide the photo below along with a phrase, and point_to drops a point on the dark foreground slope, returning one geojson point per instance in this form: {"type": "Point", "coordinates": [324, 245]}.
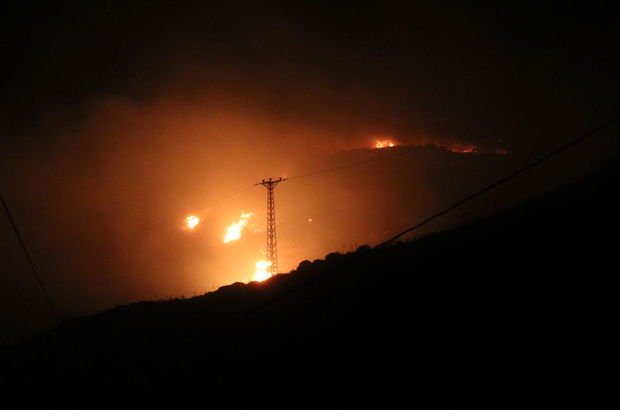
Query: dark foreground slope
{"type": "Point", "coordinates": [526, 292]}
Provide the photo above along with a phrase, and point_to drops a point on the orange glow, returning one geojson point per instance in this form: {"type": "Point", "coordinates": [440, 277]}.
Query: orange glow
{"type": "Point", "coordinates": [463, 148]}
{"type": "Point", "coordinates": [234, 230]}
{"type": "Point", "coordinates": [261, 273]}
{"type": "Point", "coordinates": [387, 143]}
{"type": "Point", "coordinates": [192, 221]}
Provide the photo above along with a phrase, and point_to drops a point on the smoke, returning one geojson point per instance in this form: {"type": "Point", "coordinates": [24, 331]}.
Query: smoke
{"type": "Point", "coordinates": [101, 201]}
{"type": "Point", "coordinates": [117, 128]}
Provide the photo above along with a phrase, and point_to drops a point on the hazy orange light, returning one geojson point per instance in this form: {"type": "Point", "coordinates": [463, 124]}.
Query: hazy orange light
{"type": "Point", "coordinates": [463, 149]}
{"type": "Point", "coordinates": [192, 221]}
{"type": "Point", "coordinates": [233, 232]}
{"type": "Point", "coordinates": [388, 143]}
{"type": "Point", "coordinates": [261, 273]}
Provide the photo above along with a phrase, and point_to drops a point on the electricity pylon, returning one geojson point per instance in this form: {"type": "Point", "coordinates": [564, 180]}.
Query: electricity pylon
{"type": "Point", "coordinates": [272, 242]}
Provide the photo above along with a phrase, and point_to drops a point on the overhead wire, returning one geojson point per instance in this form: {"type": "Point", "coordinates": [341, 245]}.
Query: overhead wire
{"type": "Point", "coordinates": [33, 269]}
{"type": "Point", "coordinates": [515, 174]}
{"type": "Point", "coordinates": [448, 209]}
{"type": "Point", "coordinates": [202, 210]}
{"type": "Point", "coordinates": [505, 179]}
{"type": "Point", "coordinates": [352, 165]}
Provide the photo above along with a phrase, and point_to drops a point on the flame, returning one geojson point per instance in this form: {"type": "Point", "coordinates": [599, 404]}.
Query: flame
{"type": "Point", "coordinates": [192, 221]}
{"type": "Point", "coordinates": [261, 273]}
{"type": "Point", "coordinates": [381, 141]}
{"type": "Point", "coordinates": [233, 232]}
{"type": "Point", "coordinates": [388, 143]}
{"type": "Point", "coordinates": [463, 148]}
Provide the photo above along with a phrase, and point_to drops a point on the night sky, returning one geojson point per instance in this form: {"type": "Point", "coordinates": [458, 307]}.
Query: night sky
{"type": "Point", "coordinates": [117, 119]}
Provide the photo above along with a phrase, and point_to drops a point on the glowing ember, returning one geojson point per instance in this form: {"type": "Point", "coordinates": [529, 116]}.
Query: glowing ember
{"type": "Point", "coordinates": [261, 272]}
{"type": "Point", "coordinates": [192, 221]}
{"type": "Point", "coordinates": [384, 144]}
{"type": "Point", "coordinates": [463, 149]}
{"type": "Point", "coordinates": [233, 232]}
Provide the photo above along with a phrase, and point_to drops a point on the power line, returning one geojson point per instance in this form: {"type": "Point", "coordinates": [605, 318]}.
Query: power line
{"type": "Point", "coordinates": [29, 259]}
{"type": "Point", "coordinates": [499, 182]}
{"type": "Point", "coordinates": [324, 171]}
{"type": "Point", "coordinates": [353, 165]}
{"type": "Point", "coordinates": [161, 222]}
{"type": "Point", "coordinates": [168, 221]}
{"type": "Point", "coordinates": [238, 193]}
{"type": "Point", "coordinates": [505, 179]}
{"type": "Point", "coordinates": [482, 191]}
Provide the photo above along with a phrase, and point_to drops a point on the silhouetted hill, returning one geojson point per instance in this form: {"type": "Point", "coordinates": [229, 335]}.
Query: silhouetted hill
{"type": "Point", "coordinates": [525, 292]}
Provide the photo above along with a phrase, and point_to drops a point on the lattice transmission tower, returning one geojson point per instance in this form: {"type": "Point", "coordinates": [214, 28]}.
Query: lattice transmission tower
{"type": "Point", "coordinates": [272, 241]}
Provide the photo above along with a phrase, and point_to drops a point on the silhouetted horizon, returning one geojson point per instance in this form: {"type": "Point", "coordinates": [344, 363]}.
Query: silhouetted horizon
{"type": "Point", "coordinates": [134, 137]}
{"type": "Point", "coordinates": [490, 311]}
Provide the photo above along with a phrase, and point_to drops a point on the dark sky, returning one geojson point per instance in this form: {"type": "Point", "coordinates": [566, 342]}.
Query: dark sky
{"type": "Point", "coordinates": [119, 117]}
{"type": "Point", "coordinates": [512, 71]}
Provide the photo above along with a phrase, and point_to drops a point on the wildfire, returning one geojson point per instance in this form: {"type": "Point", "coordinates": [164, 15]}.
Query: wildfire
{"type": "Point", "coordinates": [261, 273]}
{"type": "Point", "coordinates": [463, 148]}
{"type": "Point", "coordinates": [233, 232]}
{"type": "Point", "coordinates": [192, 221]}
{"type": "Point", "coordinates": [388, 143]}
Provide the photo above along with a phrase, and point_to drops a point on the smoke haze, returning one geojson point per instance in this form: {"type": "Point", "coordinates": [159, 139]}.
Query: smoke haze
{"type": "Point", "coordinates": [119, 120]}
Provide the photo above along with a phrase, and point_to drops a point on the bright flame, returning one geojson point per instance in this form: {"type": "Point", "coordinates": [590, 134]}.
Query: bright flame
{"type": "Point", "coordinates": [384, 144]}
{"type": "Point", "coordinates": [192, 221]}
{"type": "Point", "coordinates": [233, 232]}
{"type": "Point", "coordinates": [261, 272]}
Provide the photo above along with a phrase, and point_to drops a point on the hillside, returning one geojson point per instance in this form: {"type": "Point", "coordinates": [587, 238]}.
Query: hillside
{"type": "Point", "coordinates": [527, 290]}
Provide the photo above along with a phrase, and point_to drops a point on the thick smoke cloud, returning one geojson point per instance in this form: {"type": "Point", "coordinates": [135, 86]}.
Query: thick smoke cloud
{"type": "Point", "coordinates": [118, 120]}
